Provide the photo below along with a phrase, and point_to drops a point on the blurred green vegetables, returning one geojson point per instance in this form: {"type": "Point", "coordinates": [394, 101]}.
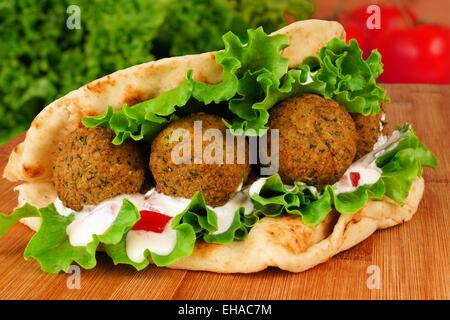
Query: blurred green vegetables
{"type": "Point", "coordinates": [41, 59]}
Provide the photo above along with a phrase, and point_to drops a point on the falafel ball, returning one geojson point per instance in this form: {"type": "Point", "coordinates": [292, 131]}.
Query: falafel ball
{"type": "Point", "coordinates": [217, 181]}
{"type": "Point", "coordinates": [317, 139]}
{"type": "Point", "coordinates": [368, 129]}
{"type": "Point", "coordinates": [89, 168]}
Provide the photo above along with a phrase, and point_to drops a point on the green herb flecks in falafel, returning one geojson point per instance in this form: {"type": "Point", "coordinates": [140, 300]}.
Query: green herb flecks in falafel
{"type": "Point", "coordinates": [217, 181]}
{"type": "Point", "coordinates": [89, 168]}
{"type": "Point", "coordinates": [317, 139]}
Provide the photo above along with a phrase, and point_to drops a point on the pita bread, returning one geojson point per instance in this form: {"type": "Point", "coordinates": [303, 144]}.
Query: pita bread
{"type": "Point", "coordinates": [283, 242]}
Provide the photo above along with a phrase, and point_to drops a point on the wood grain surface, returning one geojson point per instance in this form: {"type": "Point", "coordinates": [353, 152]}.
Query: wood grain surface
{"type": "Point", "coordinates": [414, 258]}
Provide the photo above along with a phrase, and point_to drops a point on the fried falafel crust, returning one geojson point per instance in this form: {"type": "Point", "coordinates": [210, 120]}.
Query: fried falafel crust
{"type": "Point", "coordinates": [317, 139]}
{"type": "Point", "coordinates": [368, 129]}
{"type": "Point", "coordinates": [90, 169]}
{"type": "Point", "coordinates": [217, 182]}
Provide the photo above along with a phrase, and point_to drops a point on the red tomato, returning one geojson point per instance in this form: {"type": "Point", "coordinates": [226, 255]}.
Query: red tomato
{"type": "Point", "coordinates": [152, 221]}
{"type": "Point", "coordinates": [354, 178]}
{"type": "Point", "coordinates": [353, 31]}
{"type": "Point", "coordinates": [391, 17]}
{"type": "Point", "coordinates": [416, 55]}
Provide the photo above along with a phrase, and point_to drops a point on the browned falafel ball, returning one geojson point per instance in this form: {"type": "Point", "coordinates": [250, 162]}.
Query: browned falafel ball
{"type": "Point", "coordinates": [317, 139]}
{"type": "Point", "coordinates": [89, 168]}
{"type": "Point", "coordinates": [369, 129]}
{"type": "Point", "coordinates": [217, 181]}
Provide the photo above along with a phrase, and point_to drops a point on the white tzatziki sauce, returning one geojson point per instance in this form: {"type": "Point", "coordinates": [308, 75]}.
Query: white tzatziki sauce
{"type": "Point", "coordinates": [366, 167]}
{"type": "Point", "coordinates": [381, 141]}
{"type": "Point", "coordinates": [225, 214]}
{"type": "Point", "coordinates": [159, 202]}
{"type": "Point", "coordinates": [311, 189]}
{"type": "Point", "coordinates": [255, 187]}
{"type": "Point", "coordinates": [62, 209]}
{"type": "Point", "coordinates": [94, 219]}
{"type": "Point", "coordinates": [138, 241]}
{"type": "Point", "coordinates": [172, 206]}
{"type": "Point", "coordinates": [368, 174]}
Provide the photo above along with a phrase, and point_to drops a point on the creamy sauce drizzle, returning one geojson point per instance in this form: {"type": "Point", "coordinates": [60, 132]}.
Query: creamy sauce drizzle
{"type": "Point", "coordinates": [138, 241]}
{"type": "Point", "coordinates": [256, 186]}
{"type": "Point", "coordinates": [94, 219]}
{"type": "Point", "coordinates": [225, 213]}
{"type": "Point", "coordinates": [311, 189]}
{"type": "Point", "coordinates": [366, 167]}
{"type": "Point", "coordinates": [172, 206]}
{"type": "Point", "coordinates": [159, 202]}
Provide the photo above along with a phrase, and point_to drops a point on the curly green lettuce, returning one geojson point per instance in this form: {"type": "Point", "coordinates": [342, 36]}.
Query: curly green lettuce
{"type": "Point", "coordinates": [399, 164]}
{"type": "Point", "coordinates": [204, 221]}
{"type": "Point", "coordinates": [197, 221]}
{"type": "Point", "coordinates": [183, 247]}
{"type": "Point", "coordinates": [348, 78]}
{"type": "Point", "coordinates": [51, 246]}
{"type": "Point", "coordinates": [255, 78]}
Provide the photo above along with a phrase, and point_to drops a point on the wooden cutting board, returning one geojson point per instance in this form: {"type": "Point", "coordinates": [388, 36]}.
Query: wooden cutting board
{"type": "Point", "coordinates": [412, 260]}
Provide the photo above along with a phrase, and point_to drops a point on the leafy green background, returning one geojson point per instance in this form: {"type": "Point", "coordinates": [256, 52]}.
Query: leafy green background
{"type": "Point", "coordinates": [41, 59]}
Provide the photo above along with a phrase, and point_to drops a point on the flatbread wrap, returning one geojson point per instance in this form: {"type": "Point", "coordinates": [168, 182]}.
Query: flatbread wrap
{"type": "Point", "coordinates": [139, 163]}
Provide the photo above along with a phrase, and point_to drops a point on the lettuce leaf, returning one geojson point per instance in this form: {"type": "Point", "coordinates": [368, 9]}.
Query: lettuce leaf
{"type": "Point", "coordinates": [118, 253]}
{"type": "Point", "coordinates": [204, 222]}
{"type": "Point", "coordinates": [352, 202]}
{"type": "Point", "coordinates": [198, 215]}
{"type": "Point", "coordinates": [275, 199]}
{"type": "Point", "coordinates": [50, 245]}
{"type": "Point", "coordinates": [409, 141]}
{"type": "Point", "coordinates": [127, 217]}
{"type": "Point", "coordinates": [7, 221]}
{"type": "Point", "coordinates": [196, 221]}
{"type": "Point", "coordinates": [236, 230]}
{"type": "Point", "coordinates": [403, 162]}
{"type": "Point", "coordinates": [399, 164]}
{"type": "Point", "coordinates": [184, 246]}
{"type": "Point", "coordinates": [255, 78]}
{"type": "Point", "coordinates": [349, 79]}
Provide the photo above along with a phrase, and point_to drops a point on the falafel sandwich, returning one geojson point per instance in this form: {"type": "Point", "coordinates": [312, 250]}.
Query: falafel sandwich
{"type": "Point", "coordinates": [271, 152]}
